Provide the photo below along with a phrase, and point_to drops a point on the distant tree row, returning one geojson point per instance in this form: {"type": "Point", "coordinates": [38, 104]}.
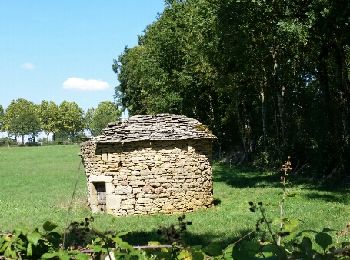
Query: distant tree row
{"type": "Point", "coordinates": [66, 120]}
{"type": "Point", "coordinates": [270, 78]}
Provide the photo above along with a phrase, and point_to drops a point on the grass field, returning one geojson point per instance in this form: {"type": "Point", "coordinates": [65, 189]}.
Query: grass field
{"type": "Point", "coordinates": [36, 184]}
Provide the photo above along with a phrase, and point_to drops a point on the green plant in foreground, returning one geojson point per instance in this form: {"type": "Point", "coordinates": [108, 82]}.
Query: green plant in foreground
{"type": "Point", "coordinates": [29, 244]}
{"type": "Point", "coordinates": [83, 242]}
{"type": "Point", "coordinates": [287, 242]}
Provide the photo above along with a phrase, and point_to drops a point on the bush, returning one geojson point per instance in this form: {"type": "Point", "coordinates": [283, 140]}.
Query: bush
{"type": "Point", "coordinates": [5, 141]}
{"type": "Point", "coordinates": [33, 143]}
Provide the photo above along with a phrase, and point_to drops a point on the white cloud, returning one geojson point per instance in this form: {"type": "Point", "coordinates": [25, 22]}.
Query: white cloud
{"type": "Point", "coordinates": [28, 66]}
{"type": "Point", "coordinates": [85, 84]}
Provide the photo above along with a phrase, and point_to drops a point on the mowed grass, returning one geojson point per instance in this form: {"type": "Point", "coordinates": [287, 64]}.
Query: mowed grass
{"type": "Point", "coordinates": [36, 184]}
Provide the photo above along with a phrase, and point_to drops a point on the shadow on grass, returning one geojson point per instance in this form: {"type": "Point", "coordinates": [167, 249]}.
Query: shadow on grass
{"type": "Point", "coordinates": [335, 197]}
{"type": "Point", "coordinates": [242, 177]}
{"type": "Point", "coordinates": [211, 244]}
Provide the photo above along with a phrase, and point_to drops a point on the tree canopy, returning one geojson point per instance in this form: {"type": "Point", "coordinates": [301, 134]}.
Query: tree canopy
{"type": "Point", "coordinates": [98, 118]}
{"type": "Point", "coordinates": [71, 120]}
{"type": "Point", "coordinates": [270, 78]}
{"type": "Point", "coordinates": [2, 117]}
{"type": "Point", "coordinates": [21, 118]}
{"type": "Point", "coordinates": [49, 117]}
{"type": "Point", "coordinates": [65, 121]}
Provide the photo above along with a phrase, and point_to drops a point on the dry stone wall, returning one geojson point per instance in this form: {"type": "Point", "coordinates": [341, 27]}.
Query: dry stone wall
{"type": "Point", "coordinates": [146, 177]}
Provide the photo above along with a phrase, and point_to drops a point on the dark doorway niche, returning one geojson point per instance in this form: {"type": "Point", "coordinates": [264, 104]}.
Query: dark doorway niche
{"type": "Point", "coordinates": [100, 188]}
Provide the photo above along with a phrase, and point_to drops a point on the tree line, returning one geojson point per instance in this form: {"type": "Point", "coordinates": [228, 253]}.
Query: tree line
{"type": "Point", "coordinates": [66, 121]}
{"type": "Point", "coordinates": [270, 78]}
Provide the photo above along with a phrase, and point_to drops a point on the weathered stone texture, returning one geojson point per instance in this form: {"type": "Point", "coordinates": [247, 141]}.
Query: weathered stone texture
{"type": "Point", "coordinates": [150, 176]}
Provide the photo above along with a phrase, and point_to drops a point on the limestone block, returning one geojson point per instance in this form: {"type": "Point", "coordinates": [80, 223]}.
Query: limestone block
{"type": "Point", "coordinates": [162, 179]}
{"type": "Point", "coordinates": [126, 207]}
{"type": "Point", "coordinates": [138, 168]}
{"type": "Point", "coordinates": [130, 212]}
{"type": "Point", "coordinates": [168, 207]}
{"type": "Point", "coordinates": [132, 178]}
{"type": "Point", "coordinates": [144, 200]}
{"type": "Point", "coordinates": [123, 190]}
{"type": "Point", "coordinates": [154, 184]}
{"type": "Point", "coordinates": [100, 178]}
{"type": "Point", "coordinates": [165, 195]}
{"type": "Point", "coordinates": [147, 189]}
{"type": "Point", "coordinates": [113, 202]}
{"type": "Point", "coordinates": [136, 183]}
{"type": "Point", "coordinates": [140, 195]}
{"type": "Point", "coordinates": [129, 201]}
{"type": "Point", "coordinates": [158, 190]}
{"type": "Point", "coordinates": [149, 195]}
{"type": "Point", "coordinates": [159, 201]}
{"type": "Point", "coordinates": [136, 173]}
{"type": "Point", "coordinates": [136, 190]}
{"type": "Point", "coordinates": [144, 172]}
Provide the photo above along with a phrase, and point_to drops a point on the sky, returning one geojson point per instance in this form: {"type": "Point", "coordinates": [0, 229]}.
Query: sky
{"type": "Point", "coordinates": [64, 49]}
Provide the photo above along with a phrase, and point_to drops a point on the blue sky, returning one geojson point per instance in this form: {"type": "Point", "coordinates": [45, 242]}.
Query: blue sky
{"type": "Point", "coordinates": [64, 49]}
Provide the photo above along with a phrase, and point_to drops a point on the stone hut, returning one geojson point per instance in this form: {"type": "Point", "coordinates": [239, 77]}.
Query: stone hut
{"type": "Point", "coordinates": [149, 164]}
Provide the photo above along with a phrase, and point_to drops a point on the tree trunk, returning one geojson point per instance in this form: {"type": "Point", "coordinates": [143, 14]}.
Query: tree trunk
{"type": "Point", "coordinates": [280, 103]}
{"type": "Point", "coordinates": [343, 81]}
{"type": "Point", "coordinates": [263, 117]}
{"type": "Point", "coordinates": [324, 87]}
{"type": "Point", "coordinates": [328, 140]}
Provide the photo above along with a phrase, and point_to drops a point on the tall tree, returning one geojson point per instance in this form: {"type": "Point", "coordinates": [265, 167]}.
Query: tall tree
{"type": "Point", "coordinates": [88, 119]}
{"type": "Point", "coordinates": [105, 113]}
{"type": "Point", "coordinates": [21, 118]}
{"type": "Point", "coordinates": [49, 117]}
{"type": "Point", "coordinates": [268, 77]}
{"type": "Point", "coordinates": [2, 117]}
{"type": "Point", "coordinates": [71, 120]}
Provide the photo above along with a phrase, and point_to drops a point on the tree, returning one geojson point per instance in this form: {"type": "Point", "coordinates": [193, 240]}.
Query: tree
{"type": "Point", "coordinates": [98, 118]}
{"type": "Point", "coordinates": [71, 120]}
{"type": "Point", "coordinates": [21, 118]}
{"type": "Point", "coordinates": [88, 119]}
{"type": "Point", "coordinates": [270, 78]}
{"type": "Point", "coordinates": [49, 117]}
{"type": "Point", "coordinates": [2, 117]}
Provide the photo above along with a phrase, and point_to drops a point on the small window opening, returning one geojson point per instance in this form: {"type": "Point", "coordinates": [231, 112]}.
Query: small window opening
{"type": "Point", "coordinates": [120, 164]}
{"type": "Point", "coordinates": [100, 188]}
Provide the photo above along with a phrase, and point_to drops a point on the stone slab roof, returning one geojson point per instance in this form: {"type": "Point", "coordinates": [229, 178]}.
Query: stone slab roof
{"type": "Point", "coordinates": [154, 127]}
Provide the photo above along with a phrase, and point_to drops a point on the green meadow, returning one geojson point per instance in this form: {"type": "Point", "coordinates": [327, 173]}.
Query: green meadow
{"type": "Point", "coordinates": [37, 184]}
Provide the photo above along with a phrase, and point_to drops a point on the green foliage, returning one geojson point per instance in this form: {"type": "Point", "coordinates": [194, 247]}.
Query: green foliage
{"type": "Point", "coordinates": [2, 117]}
{"type": "Point", "coordinates": [287, 242]}
{"type": "Point", "coordinates": [174, 233]}
{"type": "Point", "coordinates": [267, 77]}
{"type": "Point", "coordinates": [97, 119]}
{"type": "Point", "coordinates": [45, 244]}
{"type": "Point", "coordinates": [49, 117]}
{"type": "Point", "coordinates": [296, 244]}
{"type": "Point", "coordinates": [29, 244]}
{"type": "Point", "coordinates": [21, 118]}
{"type": "Point", "coordinates": [71, 120]}
{"type": "Point", "coordinates": [7, 141]}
